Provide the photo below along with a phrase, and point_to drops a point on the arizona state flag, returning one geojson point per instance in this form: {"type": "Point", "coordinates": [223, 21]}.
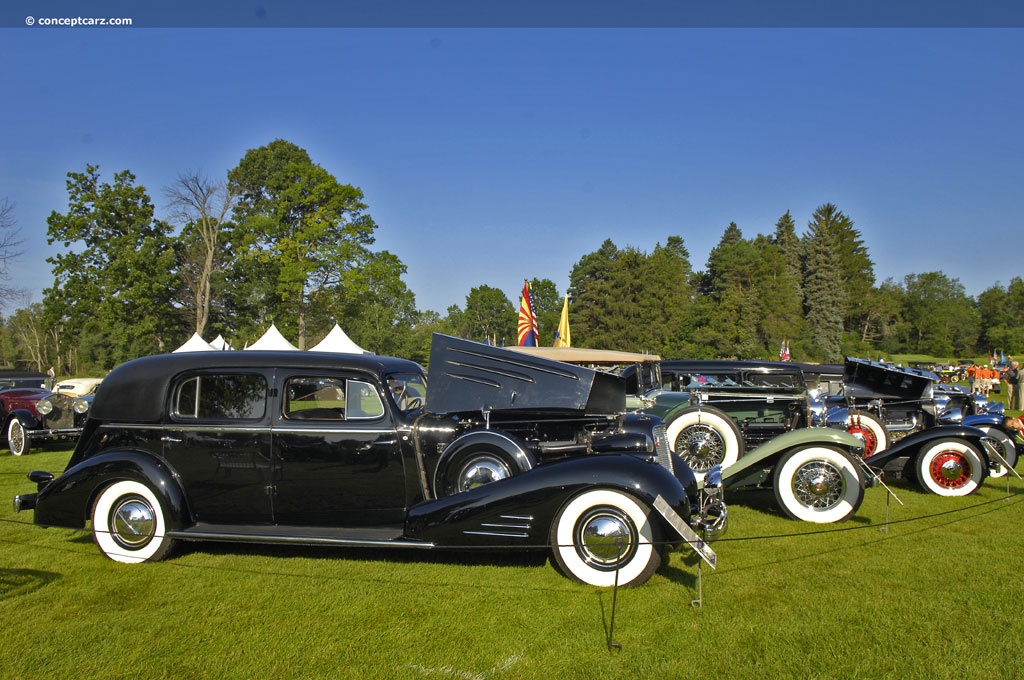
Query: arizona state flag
{"type": "Point", "coordinates": [562, 336]}
{"type": "Point", "coordinates": [528, 333]}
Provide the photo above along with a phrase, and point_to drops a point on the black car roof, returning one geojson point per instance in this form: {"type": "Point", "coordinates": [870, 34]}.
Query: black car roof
{"type": "Point", "coordinates": [135, 390]}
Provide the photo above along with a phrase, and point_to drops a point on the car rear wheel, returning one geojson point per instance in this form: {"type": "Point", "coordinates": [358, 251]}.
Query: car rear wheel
{"type": "Point", "coordinates": [17, 437]}
{"type": "Point", "coordinates": [128, 524]}
{"type": "Point", "coordinates": [950, 467]}
{"type": "Point", "coordinates": [704, 437]}
{"type": "Point", "coordinates": [818, 484]}
{"type": "Point", "coordinates": [601, 532]}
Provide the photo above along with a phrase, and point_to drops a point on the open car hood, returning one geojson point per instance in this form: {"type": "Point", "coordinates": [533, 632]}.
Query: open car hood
{"type": "Point", "coordinates": [470, 376]}
{"type": "Point", "coordinates": [872, 379]}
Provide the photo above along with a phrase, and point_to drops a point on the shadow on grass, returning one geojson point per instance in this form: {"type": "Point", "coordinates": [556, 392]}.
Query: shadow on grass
{"type": "Point", "coordinates": [17, 582]}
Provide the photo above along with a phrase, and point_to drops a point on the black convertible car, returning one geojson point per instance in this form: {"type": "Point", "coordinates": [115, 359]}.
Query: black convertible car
{"type": "Point", "coordinates": [503, 451]}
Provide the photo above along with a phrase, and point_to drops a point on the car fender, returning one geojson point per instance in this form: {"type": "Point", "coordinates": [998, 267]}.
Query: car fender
{"type": "Point", "coordinates": [512, 446]}
{"type": "Point", "coordinates": [26, 417]}
{"type": "Point", "coordinates": [774, 448]}
{"type": "Point", "coordinates": [910, 446]}
{"type": "Point", "coordinates": [67, 500]}
{"type": "Point", "coordinates": [519, 510]}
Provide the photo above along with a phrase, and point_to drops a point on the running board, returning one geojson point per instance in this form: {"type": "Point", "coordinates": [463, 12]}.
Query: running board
{"type": "Point", "coordinates": [357, 538]}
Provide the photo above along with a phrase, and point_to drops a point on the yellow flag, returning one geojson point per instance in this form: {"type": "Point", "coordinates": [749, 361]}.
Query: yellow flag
{"type": "Point", "coordinates": [563, 338]}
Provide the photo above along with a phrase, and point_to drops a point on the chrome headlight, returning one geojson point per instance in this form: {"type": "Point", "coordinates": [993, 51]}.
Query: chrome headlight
{"type": "Point", "coordinates": [81, 405]}
{"type": "Point", "coordinates": [44, 406]}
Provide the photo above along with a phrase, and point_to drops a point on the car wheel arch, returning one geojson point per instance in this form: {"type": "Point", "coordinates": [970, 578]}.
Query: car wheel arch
{"type": "Point", "coordinates": [501, 445]}
{"type": "Point", "coordinates": [132, 466]}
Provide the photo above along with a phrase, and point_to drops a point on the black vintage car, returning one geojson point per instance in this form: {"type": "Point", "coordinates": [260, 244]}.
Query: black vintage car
{"type": "Point", "coordinates": [503, 451]}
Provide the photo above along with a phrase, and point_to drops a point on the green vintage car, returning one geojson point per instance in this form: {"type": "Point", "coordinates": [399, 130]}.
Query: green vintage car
{"type": "Point", "coordinates": [756, 429]}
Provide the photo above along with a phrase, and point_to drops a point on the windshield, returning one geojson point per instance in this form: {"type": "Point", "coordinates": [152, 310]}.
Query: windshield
{"type": "Point", "coordinates": [409, 390]}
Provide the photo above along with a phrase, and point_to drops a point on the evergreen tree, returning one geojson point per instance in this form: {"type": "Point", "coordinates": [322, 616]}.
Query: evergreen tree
{"type": "Point", "coordinates": [824, 291]}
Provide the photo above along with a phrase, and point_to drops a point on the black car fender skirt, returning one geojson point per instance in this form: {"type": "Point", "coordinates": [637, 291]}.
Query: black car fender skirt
{"type": "Point", "coordinates": [67, 501]}
{"type": "Point", "coordinates": [518, 511]}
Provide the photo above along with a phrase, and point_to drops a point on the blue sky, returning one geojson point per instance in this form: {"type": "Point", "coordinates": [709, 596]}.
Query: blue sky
{"type": "Point", "coordinates": [490, 155]}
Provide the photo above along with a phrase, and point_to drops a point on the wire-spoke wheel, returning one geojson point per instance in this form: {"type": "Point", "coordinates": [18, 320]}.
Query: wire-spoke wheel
{"type": "Point", "coordinates": [818, 484]}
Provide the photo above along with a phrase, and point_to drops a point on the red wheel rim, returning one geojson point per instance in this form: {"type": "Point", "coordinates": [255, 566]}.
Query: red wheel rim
{"type": "Point", "coordinates": [866, 434]}
{"type": "Point", "coordinates": [950, 470]}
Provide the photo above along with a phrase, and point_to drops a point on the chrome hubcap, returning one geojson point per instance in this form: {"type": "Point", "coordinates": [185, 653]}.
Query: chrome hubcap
{"type": "Point", "coordinates": [480, 471]}
{"type": "Point", "coordinates": [132, 522]}
{"type": "Point", "coordinates": [605, 538]}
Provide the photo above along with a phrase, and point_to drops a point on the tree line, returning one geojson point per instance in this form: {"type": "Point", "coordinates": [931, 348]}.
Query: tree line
{"type": "Point", "coordinates": [280, 240]}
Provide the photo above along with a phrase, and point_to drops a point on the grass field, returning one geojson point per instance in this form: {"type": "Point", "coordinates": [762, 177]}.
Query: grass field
{"type": "Point", "coordinates": [936, 593]}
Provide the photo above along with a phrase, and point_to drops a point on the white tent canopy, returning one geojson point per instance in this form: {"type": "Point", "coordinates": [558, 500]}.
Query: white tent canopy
{"type": "Point", "coordinates": [219, 343]}
{"type": "Point", "coordinates": [337, 341]}
{"type": "Point", "coordinates": [194, 344]}
{"type": "Point", "coordinates": [273, 339]}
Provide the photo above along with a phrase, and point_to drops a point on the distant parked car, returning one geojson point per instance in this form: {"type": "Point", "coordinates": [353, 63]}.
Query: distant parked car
{"type": "Point", "coordinates": [493, 450]}
{"type": "Point", "coordinates": [22, 379]}
{"type": "Point", "coordinates": [33, 415]}
{"type": "Point", "coordinates": [78, 387]}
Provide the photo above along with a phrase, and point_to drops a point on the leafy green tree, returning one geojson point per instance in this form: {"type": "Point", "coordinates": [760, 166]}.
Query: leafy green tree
{"type": "Point", "coordinates": [489, 316]}
{"type": "Point", "coordinates": [547, 306]}
{"type": "Point", "coordinates": [113, 282]}
{"type": "Point", "coordinates": [942, 319]}
{"type": "Point", "coordinates": [298, 232]}
{"type": "Point", "coordinates": [377, 308]}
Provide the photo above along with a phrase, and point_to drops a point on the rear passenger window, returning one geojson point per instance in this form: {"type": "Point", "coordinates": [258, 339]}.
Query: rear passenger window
{"type": "Point", "coordinates": [219, 397]}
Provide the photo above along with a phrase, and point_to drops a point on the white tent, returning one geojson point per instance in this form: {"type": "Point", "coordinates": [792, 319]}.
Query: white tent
{"type": "Point", "coordinates": [337, 341]}
{"type": "Point", "coordinates": [219, 343]}
{"type": "Point", "coordinates": [194, 344]}
{"type": "Point", "coordinates": [273, 339]}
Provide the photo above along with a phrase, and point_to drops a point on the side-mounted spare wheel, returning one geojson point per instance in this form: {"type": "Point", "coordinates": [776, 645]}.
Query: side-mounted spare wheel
{"type": "Point", "coordinates": [479, 458]}
{"type": "Point", "coordinates": [704, 437]}
{"type": "Point", "coordinates": [868, 428]}
{"type": "Point", "coordinates": [818, 484]}
{"type": "Point", "coordinates": [601, 532]}
{"type": "Point", "coordinates": [129, 524]}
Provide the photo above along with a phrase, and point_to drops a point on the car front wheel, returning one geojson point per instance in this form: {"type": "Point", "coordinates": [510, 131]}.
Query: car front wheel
{"type": "Point", "coordinates": [950, 467]}
{"type": "Point", "coordinates": [818, 484]}
{"type": "Point", "coordinates": [17, 437]}
{"type": "Point", "coordinates": [601, 532]}
{"type": "Point", "coordinates": [128, 524]}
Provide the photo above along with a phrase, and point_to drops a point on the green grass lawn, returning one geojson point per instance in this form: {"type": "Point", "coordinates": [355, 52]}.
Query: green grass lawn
{"type": "Point", "coordinates": [935, 594]}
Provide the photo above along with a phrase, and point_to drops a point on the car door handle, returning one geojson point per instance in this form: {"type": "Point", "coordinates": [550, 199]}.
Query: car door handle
{"type": "Point", "coordinates": [168, 438]}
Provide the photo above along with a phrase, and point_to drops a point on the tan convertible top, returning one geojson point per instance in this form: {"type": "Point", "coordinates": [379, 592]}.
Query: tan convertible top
{"type": "Point", "coordinates": [581, 355]}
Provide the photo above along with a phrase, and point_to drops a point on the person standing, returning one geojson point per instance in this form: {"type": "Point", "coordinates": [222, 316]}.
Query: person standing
{"type": "Point", "coordinates": [51, 375]}
{"type": "Point", "coordinates": [1011, 376]}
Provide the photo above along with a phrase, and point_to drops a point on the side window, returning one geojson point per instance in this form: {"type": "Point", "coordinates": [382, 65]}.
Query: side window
{"type": "Point", "coordinates": [212, 397]}
{"type": "Point", "coordinates": [314, 398]}
{"type": "Point", "coordinates": [323, 398]}
{"type": "Point", "coordinates": [363, 401]}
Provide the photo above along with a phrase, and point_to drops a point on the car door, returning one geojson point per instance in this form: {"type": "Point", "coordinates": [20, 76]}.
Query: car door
{"type": "Point", "coordinates": [218, 441]}
{"type": "Point", "coordinates": [336, 453]}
